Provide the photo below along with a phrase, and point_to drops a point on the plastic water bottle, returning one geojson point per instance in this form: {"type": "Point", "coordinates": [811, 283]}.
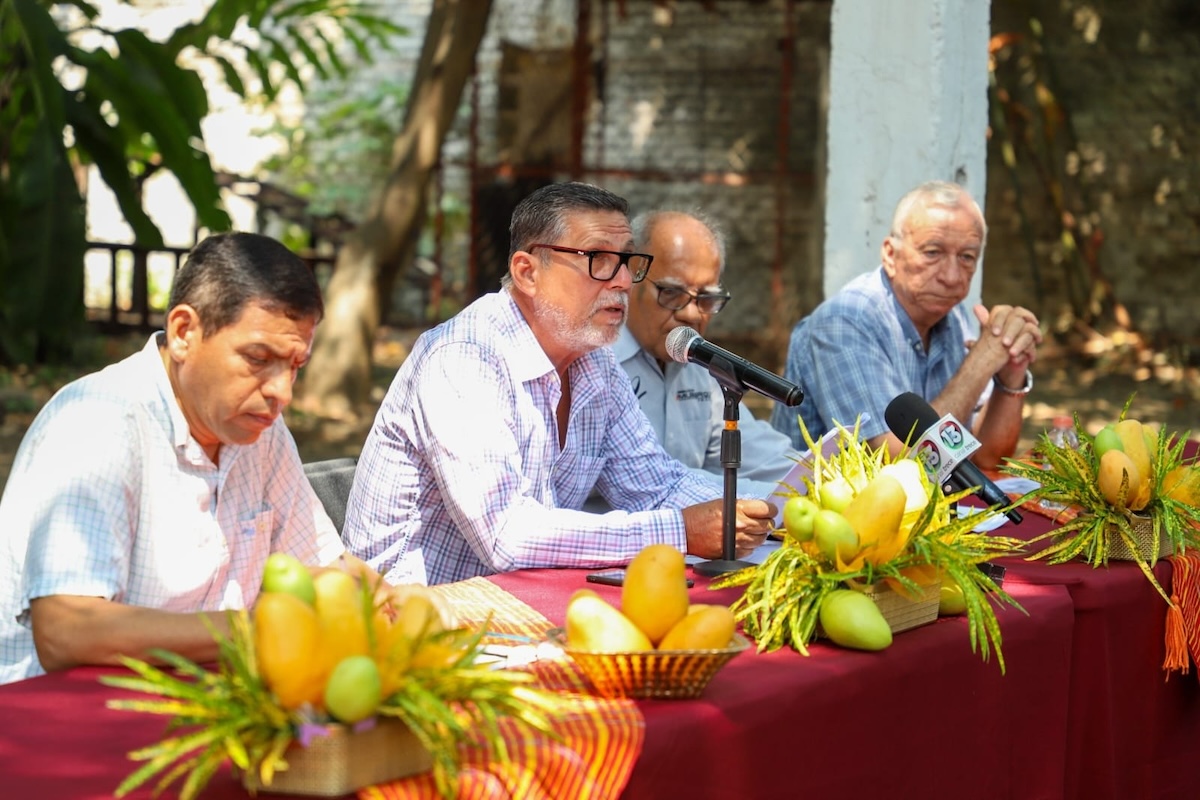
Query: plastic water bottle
{"type": "Point", "coordinates": [1061, 434]}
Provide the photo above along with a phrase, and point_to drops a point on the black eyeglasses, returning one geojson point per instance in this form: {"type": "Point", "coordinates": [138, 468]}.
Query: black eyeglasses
{"type": "Point", "coordinates": [603, 265]}
{"type": "Point", "coordinates": [676, 297]}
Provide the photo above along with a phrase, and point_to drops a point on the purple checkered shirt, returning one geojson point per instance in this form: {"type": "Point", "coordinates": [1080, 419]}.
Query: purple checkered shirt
{"type": "Point", "coordinates": [462, 474]}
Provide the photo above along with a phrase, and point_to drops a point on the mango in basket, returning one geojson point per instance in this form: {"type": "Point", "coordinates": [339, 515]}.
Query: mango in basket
{"type": "Point", "coordinates": [1116, 470]}
{"type": "Point", "coordinates": [354, 689]}
{"type": "Point", "coordinates": [706, 627]}
{"type": "Point", "coordinates": [340, 605]}
{"type": "Point", "coordinates": [594, 625]}
{"type": "Point", "coordinates": [654, 596]}
{"type": "Point", "coordinates": [287, 637]}
{"type": "Point", "coordinates": [852, 619]}
{"type": "Point", "coordinates": [1182, 485]}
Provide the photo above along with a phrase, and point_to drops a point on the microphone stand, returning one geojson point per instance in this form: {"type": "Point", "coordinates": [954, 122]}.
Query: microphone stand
{"type": "Point", "coordinates": [731, 459]}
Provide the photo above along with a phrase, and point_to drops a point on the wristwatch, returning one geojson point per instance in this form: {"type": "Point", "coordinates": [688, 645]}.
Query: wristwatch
{"type": "Point", "coordinates": [1024, 390]}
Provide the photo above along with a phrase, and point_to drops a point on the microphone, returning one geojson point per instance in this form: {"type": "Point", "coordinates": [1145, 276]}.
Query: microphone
{"type": "Point", "coordinates": [943, 445]}
{"type": "Point", "coordinates": [685, 344]}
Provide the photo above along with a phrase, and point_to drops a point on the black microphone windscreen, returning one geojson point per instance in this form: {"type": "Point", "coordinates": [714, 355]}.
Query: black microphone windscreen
{"type": "Point", "coordinates": [679, 341]}
{"type": "Point", "coordinates": [908, 416]}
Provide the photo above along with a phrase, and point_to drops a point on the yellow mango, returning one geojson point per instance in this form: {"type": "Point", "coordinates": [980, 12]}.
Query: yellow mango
{"type": "Point", "coordinates": [706, 627]}
{"type": "Point", "coordinates": [1133, 442]}
{"type": "Point", "coordinates": [287, 640]}
{"type": "Point", "coordinates": [1182, 485]}
{"type": "Point", "coordinates": [341, 612]}
{"type": "Point", "coordinates": [654, 596]}
{"type": "Point", "coordinates": [1115, 467]}
{"type": "Point", "coordinates": [596, 626]}
{"type": "Point", "coordinates": [912, 478]}
{"type": "Point", "coordinates": [875, 512]}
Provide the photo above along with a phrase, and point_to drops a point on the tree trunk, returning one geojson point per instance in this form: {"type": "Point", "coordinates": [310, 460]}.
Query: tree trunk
{"type": "Point", "coordinates": [337, 380]}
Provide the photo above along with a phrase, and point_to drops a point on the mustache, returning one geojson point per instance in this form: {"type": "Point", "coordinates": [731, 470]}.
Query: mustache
{"type": "Point", "coordinates": [610, 299]}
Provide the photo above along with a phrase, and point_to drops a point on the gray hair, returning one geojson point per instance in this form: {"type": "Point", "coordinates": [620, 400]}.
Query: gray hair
{"type": "Point", "coordinates": [542, 216]}
{"type": "Point", "coordinates": [935, 194]}
{"type": "Point", "coordinates": [644, 223]}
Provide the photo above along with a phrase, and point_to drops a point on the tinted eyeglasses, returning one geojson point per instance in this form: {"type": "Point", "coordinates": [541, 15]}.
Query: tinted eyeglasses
{"type": "Point", "coordinates": [676, 297]}
{"type": "Point", "coordinates": [603, 265]}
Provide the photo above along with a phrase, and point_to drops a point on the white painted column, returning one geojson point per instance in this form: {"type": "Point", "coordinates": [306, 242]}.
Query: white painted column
{"type": "Point", "coordinates": [907, 104]}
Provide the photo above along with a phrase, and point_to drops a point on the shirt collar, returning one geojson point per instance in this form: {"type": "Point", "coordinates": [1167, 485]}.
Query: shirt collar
{"type": "Point", "coordinates": [181, 435]}
{"type": "Point", "coordinates": [529, 361]}
{"type": "Point", "coordinates": [626, 346]}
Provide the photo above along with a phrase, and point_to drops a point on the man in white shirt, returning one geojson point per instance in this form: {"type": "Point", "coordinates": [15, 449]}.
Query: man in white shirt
{"type": "Point", "coordinates": [155, 489]}
{"type": "Point", "coordinates": [503, 420]}
{"type": "Point", "coordinates": [684, 402]}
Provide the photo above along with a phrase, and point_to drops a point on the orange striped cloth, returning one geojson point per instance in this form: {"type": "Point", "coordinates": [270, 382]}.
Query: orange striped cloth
{"type": "Point", "coordinates": [1183, 617]}
{"type": "Point", "coordinates": [601, 738]}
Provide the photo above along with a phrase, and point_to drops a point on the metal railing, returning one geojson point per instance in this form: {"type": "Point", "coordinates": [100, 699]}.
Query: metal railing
{"type": "Point", "coordinates": [140, 313]}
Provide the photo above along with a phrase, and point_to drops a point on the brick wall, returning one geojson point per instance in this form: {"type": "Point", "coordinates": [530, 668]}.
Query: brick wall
{"type": "Point", "coordinates": [690, 104]}
{"type": "Point", "coordinates": [1125, 76]}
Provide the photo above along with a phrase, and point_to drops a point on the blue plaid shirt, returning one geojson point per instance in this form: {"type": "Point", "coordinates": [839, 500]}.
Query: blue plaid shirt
{"type": "Point", "coordinates": [858, 350]}
{"type": "Point", "coordinates": [462, 474]}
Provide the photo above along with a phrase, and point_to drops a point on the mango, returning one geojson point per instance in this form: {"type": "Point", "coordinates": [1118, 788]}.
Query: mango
{"type": "Point", "coordinates": [835, 537]}
{"type": "Point", "coordinates": [594, 625]}
{"type": "Point", "coordinates": [951, 600]}
{"type": "Point", "coordinates": [1116, 467]}
{"type": "Point", "coordinates": [354, 690]}
{"type": "Point", "coordinates": [1182, 485]}
{"type": "Point", "coordinates": [835, 494]}
{"type": "Point", "coordinates": [798, 515]}
{"type": "Point", "coordinates": [851, 619]}
{"type": "Point", "coordinates": [342, 615]}
{"type": "Point", "coordinates": [875, 512]}
{"type": "Point", "coordinates": [287, 638]}
{"type": "Point", "coordinates": [1133, 442]}
{"type": "Point", "coordinates": [706, 627]}
{"type": "Point", "coordinates": [911, 475]}
{"type": "Point", "coordinates": [1107, 439]}
{"type": "Point", "coordinates": [654, 596]}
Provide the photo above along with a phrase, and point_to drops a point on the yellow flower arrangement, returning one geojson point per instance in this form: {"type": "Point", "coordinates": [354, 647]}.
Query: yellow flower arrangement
{"type": "Point", "coordinates": [909, 541]}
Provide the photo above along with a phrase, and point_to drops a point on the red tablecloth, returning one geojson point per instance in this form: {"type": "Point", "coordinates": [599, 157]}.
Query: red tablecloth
{"type": "Point", "coordinates": [924, 718]}
{"type": "Point", "coordinates": [1133, 733]}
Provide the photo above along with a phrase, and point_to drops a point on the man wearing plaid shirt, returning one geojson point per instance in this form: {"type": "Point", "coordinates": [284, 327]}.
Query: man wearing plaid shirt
{"type": "Point", "coordinates": [155, 489]}
{"type": "Point", "coordinates": [502, 420]}
{"type": "Point", "coordinates": [901, 328]}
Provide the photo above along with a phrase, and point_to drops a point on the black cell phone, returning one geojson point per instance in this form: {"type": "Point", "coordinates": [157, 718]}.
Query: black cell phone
{"type": "Point", "coordinates": [616, 577]}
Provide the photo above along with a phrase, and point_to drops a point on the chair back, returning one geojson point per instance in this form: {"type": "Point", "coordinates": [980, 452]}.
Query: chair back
{"type": "Point", "coordinates": [331, 479]}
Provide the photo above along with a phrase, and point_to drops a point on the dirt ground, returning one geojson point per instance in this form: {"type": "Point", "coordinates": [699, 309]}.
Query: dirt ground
{"type": "Point", "coordinates": [1093, 381]}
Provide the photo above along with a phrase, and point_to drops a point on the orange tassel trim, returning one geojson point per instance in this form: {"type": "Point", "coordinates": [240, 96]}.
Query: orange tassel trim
{"type": "Point", "coordinates": [1183, 617]}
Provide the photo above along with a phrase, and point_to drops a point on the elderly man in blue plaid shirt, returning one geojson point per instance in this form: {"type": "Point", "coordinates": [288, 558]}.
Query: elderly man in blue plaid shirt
{"type": "Point", "coordinates": [902, 328]}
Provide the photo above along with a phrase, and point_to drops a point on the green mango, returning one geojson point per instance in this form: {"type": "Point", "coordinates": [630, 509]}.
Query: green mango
{"type": "Point", "coordinates": [852, 619]}
{"type": "Point", "coordinates": [1107, 439]}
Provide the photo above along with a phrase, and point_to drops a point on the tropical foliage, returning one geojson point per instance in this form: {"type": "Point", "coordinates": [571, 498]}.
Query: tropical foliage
{"type": "Point", "coordinates": [75, 94]}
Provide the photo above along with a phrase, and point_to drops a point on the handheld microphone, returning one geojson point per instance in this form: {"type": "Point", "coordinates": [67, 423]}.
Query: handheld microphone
{"type": "Point", "coordinates": [685, 344]}
{"type": "Point", "coordinates": [942, 445]}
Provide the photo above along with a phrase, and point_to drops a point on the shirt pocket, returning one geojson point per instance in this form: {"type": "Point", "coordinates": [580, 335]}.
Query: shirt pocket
{"type": "Point", "coordinates": [259, 525]}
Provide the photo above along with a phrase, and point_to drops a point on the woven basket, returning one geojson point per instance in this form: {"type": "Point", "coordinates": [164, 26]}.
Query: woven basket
{"type": "Point", "coordinates": [343, 761]}
{"type": "Point", "coordinates": [901, 612]}
{"type": "Point", "coordinates": [658, 674]}
{"type": "Point", "coordinates": [1143, 536]}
